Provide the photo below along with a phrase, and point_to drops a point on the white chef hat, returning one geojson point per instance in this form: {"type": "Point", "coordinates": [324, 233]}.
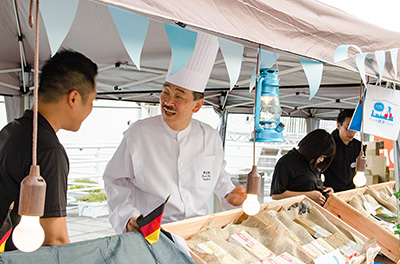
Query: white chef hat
{"type": "Point", "coordinates": [195, 74]}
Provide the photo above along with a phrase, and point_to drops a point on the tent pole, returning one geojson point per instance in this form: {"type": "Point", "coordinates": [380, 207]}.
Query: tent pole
{"type": "Point", "coordinates": [396, 152]}
{"type": "Point", "coordinates": [223, 121]}
{"type": "Point", "coordinates": [20, 44]}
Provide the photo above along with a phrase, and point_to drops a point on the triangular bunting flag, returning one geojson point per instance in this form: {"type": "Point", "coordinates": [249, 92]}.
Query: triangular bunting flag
{"type": "Point", "coordinates": [182, 42]}
{"type": "Point", "coordinates": [58, 16]}
{"type": "Point", "coordinates": [313, 71]}
{"type": "Point", "coordinates": [232, 53]}
{"type": "Point", "coordinates": [341, 52]}
{"type": "Point", "coordinates": [5, 229]}
{"type": "Point", "coordinates": [360, 61]}
{"type": "Point", "coordinates": [267, 60]}
{"type": "Point", "coordinates": [393, 56]}
{"type": "Point", "coordinates": [356, 120]}
{"type": "Point", "coordinates": [151, 223]}
{"type": "Point", "coordinates": [132, 29]}
{"type": "Point", "coordinates": [380, 60]}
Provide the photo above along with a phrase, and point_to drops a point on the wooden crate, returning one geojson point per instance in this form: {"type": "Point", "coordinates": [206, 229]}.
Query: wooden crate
{"type": "Point", "coordinates": [338, 205]}
{"type": "Point", "coordinates": [189, 227]}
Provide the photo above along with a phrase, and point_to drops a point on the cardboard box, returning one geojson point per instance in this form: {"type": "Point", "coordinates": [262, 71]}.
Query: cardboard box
{"type": "Point", "coordinates": [189, 227]}
{"type": "Point", "coordinates": [375, 146]}
{"type": "Point", "coordinates": [338, 205]}
{"type": "Point", "coordinates": [372, 179]}
{"type": "Point", "coordinates": [392, 175]}
{"type": "Point", "coordinates": [372, 152]}
{"type": "Point", "coordinates": [377, 165]}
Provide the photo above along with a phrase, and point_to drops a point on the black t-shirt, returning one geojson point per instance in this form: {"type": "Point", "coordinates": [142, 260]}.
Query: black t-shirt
{"type": "Point", "coordinates": [340, 173]}
{"type": "Point", "coordinates": [294, 173]}
{"type": "Point", "coordinates": [16, 160]}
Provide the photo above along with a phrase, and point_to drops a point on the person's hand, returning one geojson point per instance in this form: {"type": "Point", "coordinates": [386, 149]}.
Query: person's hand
{"type": "Point", "coordinates": [328, 191]}
{"type": "Point", "coordinates": [132, 226]}
{"type": "Point", "coordinates": [316, 196]}
{"type": "Point", "coordinates": [237, 196]}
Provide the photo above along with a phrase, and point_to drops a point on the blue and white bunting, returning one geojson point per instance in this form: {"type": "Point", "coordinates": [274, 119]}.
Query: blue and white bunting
{"type": "Point", "coordinates": [132, 29]}
{"type": "Point", "coordinates": [233, 54]}
{"type": "Point", "coordinates": [341, 52]}
{"type": "Point", "coordinates": [380, 60]}
{"type": "Point", "coordinates": [267, 60]}
{"type": "Point", "coordinates": [360, 61]}
{"type": "Point", "coordinates": [182, 42]}
{"type": "Point", "coordinates": [393, 56]}
{"type": "Point", "coordinates": [58, 16]}
{"type": "Point", "coordinates": [313, 71]}
{"type": "Point", "coordinates": [356, 120]}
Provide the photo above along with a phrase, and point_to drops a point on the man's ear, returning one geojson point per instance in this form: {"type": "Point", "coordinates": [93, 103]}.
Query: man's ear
{"type": "Point", "coordinates": [198, 105]}
{"type": "Point", "coordinates": [338, 125]}
{"type": "Point", "coordinates": [72, 98]}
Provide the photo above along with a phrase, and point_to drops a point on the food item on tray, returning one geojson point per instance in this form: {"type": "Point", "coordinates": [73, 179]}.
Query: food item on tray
{"type": "Point", "coordinates": [252, 245]}
{"type": "Point", "coordinates": [314, 229]}
{"type": "Point", "coordinates": [210, 247]}
{"type": "Point", "coordinates": [346, 246]}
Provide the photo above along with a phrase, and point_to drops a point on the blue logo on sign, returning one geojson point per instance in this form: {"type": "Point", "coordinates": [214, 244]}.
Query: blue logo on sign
{"type": "Point", "coordinates": [379, 107]}
{"type": "Point", "coordinates": [381, 113]}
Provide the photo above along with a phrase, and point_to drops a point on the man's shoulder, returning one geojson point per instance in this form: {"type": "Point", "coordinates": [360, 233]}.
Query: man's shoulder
{"type": "Point", "coordinates": [143, 127]}
{"type": "Point", "coordinates": [335, 133]}
{"type": "Point", "coordinates": [146, 122]}
{"type": "Point", "coordinates": [208, 130]}
{"type": "Point", "coordinates": [16, 134]}
{"type": "Point", "coordinates": [355, 143]}
{"type": "Point", "coordinates": [205, 126]}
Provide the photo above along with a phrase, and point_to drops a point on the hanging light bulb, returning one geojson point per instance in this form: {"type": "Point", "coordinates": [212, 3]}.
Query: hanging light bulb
{"type": "Point", "coordinates": [251, 205]}
{"type": "Point", "coordinates": [359, 179]}
{"type": "Point", "coordinates": [28, 235]}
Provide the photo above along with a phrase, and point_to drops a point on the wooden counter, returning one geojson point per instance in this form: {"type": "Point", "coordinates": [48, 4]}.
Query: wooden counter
{"type": "Point", "coordinates": [189, 227]}
{"type": "Point", "coordinates": [338, 205]}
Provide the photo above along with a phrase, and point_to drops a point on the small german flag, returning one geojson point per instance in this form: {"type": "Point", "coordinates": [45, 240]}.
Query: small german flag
{"type": "Point", "coordinates": [151, 223]}
{"type": "Point", "coordinates": [5, 230]}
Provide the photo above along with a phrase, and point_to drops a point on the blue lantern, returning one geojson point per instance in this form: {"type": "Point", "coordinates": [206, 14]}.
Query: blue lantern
{"type": "Point", "coordinates": [267, 114]}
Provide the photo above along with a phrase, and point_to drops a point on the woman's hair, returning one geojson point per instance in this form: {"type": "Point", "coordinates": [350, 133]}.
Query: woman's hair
{"type": "Point", "coordinates": [315, 144]}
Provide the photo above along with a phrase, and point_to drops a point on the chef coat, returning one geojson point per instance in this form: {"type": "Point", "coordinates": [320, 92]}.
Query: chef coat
{"type": "Point", "coordinates": [154, 161]}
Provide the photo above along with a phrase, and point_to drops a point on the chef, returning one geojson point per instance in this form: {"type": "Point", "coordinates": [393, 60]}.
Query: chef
{"type": "Point", "coordinates": [171, 153]}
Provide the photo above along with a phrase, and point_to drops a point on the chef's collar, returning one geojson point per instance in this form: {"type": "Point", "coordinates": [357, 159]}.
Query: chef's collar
{"type": "Point", "coordinates": [176, 134]}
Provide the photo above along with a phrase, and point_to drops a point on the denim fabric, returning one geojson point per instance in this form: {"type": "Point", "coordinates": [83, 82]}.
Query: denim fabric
{"type": "Point", "coordinates": [118, 249]}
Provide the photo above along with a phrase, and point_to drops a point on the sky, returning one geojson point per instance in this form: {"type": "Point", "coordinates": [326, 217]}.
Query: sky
{"type": "Point", "coordinates": [383, 13]}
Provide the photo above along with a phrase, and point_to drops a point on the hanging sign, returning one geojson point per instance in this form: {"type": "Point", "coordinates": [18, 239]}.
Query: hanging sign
{"type": "Point", "coordinates": [382, 112]}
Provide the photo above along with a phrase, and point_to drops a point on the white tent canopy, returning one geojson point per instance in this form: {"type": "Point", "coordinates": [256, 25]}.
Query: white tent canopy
{"type": "Point", "coordinates": [293, 29]}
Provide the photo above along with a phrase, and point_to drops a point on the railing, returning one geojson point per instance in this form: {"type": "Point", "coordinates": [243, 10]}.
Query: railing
{"type": "Point", "coordinates": [89, 161]}
{"type": "Point", "coordinates": [87, 164]}
{"type": "Point", "coordinates": [239, 157]}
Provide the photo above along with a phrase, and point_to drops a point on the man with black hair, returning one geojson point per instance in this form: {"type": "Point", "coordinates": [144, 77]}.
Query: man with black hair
{"type": "Point", "coordinates": [66, 92]}
{"type": "Point", "coordinates": [340, 173]}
